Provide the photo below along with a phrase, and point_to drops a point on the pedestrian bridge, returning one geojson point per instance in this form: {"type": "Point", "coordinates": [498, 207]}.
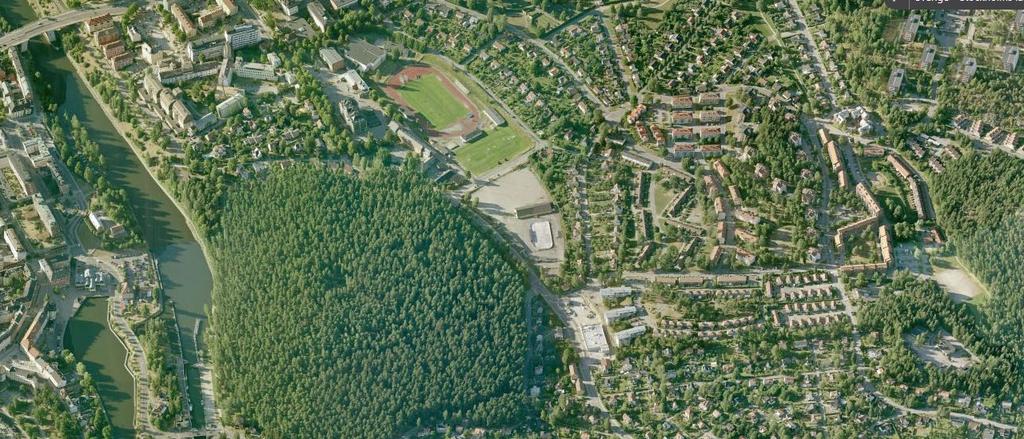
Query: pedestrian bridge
{"type": "Point", "coordinates": [47, 24]}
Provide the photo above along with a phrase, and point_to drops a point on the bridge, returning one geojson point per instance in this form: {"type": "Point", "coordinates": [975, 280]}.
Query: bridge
{"type": "Point", "coordinates": [48, 24]}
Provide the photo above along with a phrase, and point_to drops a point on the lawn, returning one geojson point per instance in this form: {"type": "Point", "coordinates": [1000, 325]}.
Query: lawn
{"type": "Point", "coordinates": [429, 97]}
{"type": "Point", "coordinates": [497, 146]}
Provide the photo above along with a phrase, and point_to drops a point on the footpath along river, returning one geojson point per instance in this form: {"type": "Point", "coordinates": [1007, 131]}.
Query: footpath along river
{"type": "Point", "coordinates": [183, 268]}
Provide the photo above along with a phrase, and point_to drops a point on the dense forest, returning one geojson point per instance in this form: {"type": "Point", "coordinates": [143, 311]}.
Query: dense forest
{"type": "Point", "coordinates": [910, 303]}
{"type": "Point", "coordinates": [978, 200]}
{"type": "Point", "coordinates": [362, 307]}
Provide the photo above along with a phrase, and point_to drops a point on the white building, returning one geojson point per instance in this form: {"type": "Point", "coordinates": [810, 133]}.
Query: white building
{"type": "Point", "coordinates": [355, 82]}
{"type": "Point", "coordinates": [615, 292]}
{"type": "Point", "coordinates": [231, 105]}
{"type": "Point", "coordinates": [619, 313]}
{"type": "Point", "coordinates": [318, 14]}
{"type": "Point", "coordinates": [242, 36]}
{"type": "Point", "coordinates": [332, 58]}
{"type": "Point", "coordinates": [288, 8]}
{"type": "Point", "coordinates": [1010, 56]}
{"type": "Point", "coordinates": [11, 238]}
{"type": "Point", "coordinates": [257, 71]}
{"type": "Point", "coordinates": [623, 338]}
{"type": "Point", "coordinates": [46, 216]}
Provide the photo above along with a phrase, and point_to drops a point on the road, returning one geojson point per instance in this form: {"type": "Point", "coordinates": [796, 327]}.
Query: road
{"type": "Point", "coordinates": [48, 24]}
{"type": "Point", "coordinates": [809, 39]}
{"type": "Point", "coordinates": [824, 220]}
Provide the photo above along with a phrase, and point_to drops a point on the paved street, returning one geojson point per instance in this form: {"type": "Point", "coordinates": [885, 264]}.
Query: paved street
{"type": "Point", "coordinates": [48, 24]}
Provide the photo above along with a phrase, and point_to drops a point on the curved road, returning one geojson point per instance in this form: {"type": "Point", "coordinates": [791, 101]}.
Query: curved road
{"type": "Point", "coordinates": [47, 24]}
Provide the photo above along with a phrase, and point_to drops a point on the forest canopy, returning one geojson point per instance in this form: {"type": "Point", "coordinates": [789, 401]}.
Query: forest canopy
{"type": "Point", "coordinates": [362, 307]}
{"type": "Point", "coordinates": [978, 200]}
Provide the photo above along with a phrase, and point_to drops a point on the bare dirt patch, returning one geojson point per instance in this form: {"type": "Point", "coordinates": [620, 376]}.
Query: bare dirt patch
{"type": "Point", "coordinates": [961, 286]}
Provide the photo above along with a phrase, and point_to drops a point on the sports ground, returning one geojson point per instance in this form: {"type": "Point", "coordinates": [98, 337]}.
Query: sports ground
{"type": "Point", "coordinates": [445, 111]}
{"type": "Point", "coordinates": [498, 145]}
{"type": "Point", "coordinates": [429, 97]}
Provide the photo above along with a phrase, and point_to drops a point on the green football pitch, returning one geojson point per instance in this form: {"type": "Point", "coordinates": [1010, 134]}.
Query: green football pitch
{"type": "Point", "coordinates": [429, 97]}
{"type": "Point", "coordinates": [497, 146]}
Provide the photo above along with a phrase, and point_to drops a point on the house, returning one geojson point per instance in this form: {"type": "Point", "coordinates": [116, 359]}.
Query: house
{"type": "Point", "coordinates": [366, 56]}
{"type": "Point", "coordinates": [761, 171]}
{"type": "Point", "coordinates": [97, 24]}
{"type": "Point", "coordinates": [331, 57]}
{"type": "Point", "coordinates": [206, 50]}
{"type": "Point", "coordinates": [209, 17]}
{"type": "Point", "coordinates": [779, 186]}
{"type": "Point", "coordinates": [45, 216]}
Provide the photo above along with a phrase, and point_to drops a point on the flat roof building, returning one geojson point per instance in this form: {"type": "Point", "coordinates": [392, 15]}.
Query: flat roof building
{"type": "Point", "coordinates": [534, 210]}
{"type": "Point", "coordinates": [1010, 56]}
{"type": "Point", "coordinates": [231, 106]}
{"type": "Point", "coordinates": [318, 14]}
{"type": "Point", "coordinates": [366, 56]}
{"type": "Point", "coordinates": [332, 58]}
{"type": "Point", "coordinates": [615, 292]}
{"type": "Point", "coordinates": [623, 338]}
{"type": "Point", "coordinates": [619, 314]}
{"type": "Point", "coordinates": [257, 71]}
{"type": "Point", "coordinates": [494, 117]}
{"type": "Point", "coordinates": [242, 36]}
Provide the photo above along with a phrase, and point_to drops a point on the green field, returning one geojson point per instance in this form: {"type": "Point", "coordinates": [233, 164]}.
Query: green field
{"type": "Point", "coordinates": [497, 146]}
{"type": "Point", "coordinates": [428, 96]}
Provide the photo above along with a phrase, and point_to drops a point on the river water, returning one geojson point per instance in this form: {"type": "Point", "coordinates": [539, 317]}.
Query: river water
{"type": "Point", "coordinates": [183, 269]}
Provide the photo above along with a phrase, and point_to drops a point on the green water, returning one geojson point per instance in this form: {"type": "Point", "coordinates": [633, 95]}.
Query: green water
{"type": "Point", "coordinates": [185, 275]}
{"type": "Point", "coordinates": [88, 337]}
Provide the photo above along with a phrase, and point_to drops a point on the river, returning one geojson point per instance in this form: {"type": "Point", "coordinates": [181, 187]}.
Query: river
{"type": "Point", "coordinates": [183, 269]}
{"type": "Point", "coordinates": [88, 333]}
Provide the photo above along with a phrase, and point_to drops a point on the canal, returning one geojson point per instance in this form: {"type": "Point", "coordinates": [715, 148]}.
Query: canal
{"type": "Point", "coordinates": [94, 345]}
{"type": "Point", "coordinates": [184, 272]}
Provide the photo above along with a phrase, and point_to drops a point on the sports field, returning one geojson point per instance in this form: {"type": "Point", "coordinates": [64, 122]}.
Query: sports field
{"type": "Point", "coordinates": [498, 145]}
{"type": "Point", "coordinates": [429, 97]}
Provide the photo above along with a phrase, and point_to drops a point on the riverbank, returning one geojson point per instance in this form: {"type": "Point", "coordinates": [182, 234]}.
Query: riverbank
{"type": "Point", "coordinates": [197, 400]}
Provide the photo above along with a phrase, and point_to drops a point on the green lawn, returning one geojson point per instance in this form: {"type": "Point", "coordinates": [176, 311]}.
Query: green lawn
{"type": "Point", "coordinates": [497, 146]}
{"type": "Point", "coordinates": [428, 96]}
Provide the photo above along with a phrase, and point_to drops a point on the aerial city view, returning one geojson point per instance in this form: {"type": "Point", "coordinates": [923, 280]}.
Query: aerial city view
{"type": "Point", "coordinates": [580, 219]}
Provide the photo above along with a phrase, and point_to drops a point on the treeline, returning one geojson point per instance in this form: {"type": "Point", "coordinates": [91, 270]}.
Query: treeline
{"type": "Point", "coordinates": [163, 379]}
{"type": "Point", "coordinates": [978, 200]}
{"type": "Point", "coordinates": [351, 307]}
{"type": "Point", "coordinates": [83, 157]}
